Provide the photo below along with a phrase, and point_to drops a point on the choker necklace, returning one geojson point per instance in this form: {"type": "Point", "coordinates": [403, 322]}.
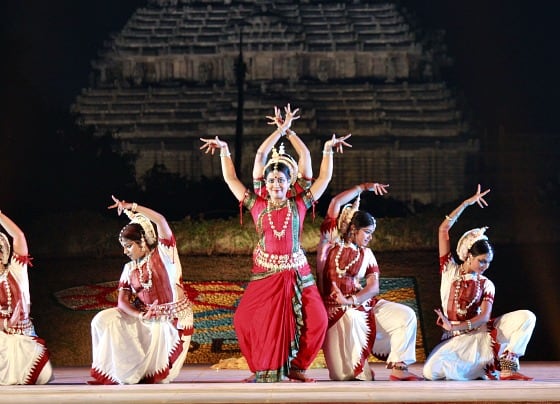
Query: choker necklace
{"type": "Point", "coordinates": [139, 264]}
{"type": "Point", "coordinates": [269, 208]}
{"type": "Point", "coordinates": [342, 272]}
{"type": "Point", "coordinates": [4, 279]}
{"type": "Point", "coordinates": [458, 283]}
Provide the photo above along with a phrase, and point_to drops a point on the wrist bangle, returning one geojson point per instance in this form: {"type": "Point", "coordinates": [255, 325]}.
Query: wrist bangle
{"type": "Point", "coordinates": [327, 153]}
{"type": "Point", "coordinates": [225, 153]}
{"type": "Point", "coordinates": [469, 325]}
{"type": "Point", "coordinates": [134, 206]}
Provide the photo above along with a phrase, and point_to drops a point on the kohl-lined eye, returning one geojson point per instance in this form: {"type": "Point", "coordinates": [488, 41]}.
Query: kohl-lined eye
{"type": "Point", "coordinates": [278, 180]}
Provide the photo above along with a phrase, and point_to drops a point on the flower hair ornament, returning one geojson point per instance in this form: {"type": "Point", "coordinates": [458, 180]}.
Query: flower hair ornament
{"type": "Point", "coordinates": [468, 239]}
{"type": "Point", "coordinates": [280, 156]}
{"type": "Point", "coordinates": [147, 226]}
{"type": "Point", "coordinates": [5, 248]}
{"type": "Point", "coordinates": [345, 216]}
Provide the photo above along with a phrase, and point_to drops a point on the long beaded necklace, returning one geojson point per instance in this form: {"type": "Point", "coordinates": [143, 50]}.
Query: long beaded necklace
{"type": "Point", "coordinates": [282, 233]}
{"type": "Point", "coordinates": [342, 272]}
{"type": "Point", "coordinates": [139, 265]}
{"type": "Point", "coordinates": [458, 283]}
{"type": "Point", "coordinates": [4, 279]}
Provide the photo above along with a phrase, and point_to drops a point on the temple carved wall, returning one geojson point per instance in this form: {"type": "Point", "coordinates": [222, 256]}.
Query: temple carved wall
{"type": "Point", "coordinates": [169, 77]}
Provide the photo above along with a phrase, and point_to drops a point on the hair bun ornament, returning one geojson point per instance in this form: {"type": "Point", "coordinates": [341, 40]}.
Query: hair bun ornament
{"type": "Point", "coordinates": [147, 226]}
{"type": "Point", "coordinates": [280, 156]}
{"type": "Point", "coordinates": [467, 240]}
{"type": "Point", "coordinates": [5, 248]}
{"type": "Point", "coordinates": [345, 216]}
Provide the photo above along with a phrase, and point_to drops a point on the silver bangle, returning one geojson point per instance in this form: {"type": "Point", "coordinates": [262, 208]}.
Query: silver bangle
{"type": "Point", "coordinates": [327, 153]}
{"type": "Point", "coordinates": [225, 153]}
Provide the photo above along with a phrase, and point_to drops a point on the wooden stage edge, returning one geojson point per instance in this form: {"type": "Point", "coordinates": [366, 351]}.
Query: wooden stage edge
{"type": "Point", "coordinates": [202, 384]}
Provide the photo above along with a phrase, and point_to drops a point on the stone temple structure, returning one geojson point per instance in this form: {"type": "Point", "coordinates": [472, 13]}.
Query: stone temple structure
{"type": "Point", "coordinates": [184, 69]}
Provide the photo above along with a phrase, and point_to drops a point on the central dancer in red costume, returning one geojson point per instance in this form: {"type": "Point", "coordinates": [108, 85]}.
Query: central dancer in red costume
{"type": "Point", "coordinates": [280, 321]}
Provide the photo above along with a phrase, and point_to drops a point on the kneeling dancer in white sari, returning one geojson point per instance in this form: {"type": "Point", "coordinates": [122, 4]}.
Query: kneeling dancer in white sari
{"type": "Point", "coordinates": [146, 338]}
{"type": "Point", "coordinates": [474, 345]}
{"type": "Point", "coordinates": [24, 357]}
{"type": "Point", "coordinates": [360, 324]}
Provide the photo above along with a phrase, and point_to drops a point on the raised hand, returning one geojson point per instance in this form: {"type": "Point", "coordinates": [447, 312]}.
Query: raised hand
{"type": "Point", "coordinates": [276, 119]}
{"type": "Point", "coordinates": [283, 123]}
{"type": "Point", "coordinates": [478, 197]}
{"type": "Point", "coordinates": [210, 145]}
{"type": "Point", "coordinates": [376, 188]}
{"type": "Point", "coordinates": [119, 205]}
{"type": "Point", "coordinates": [337, 143]}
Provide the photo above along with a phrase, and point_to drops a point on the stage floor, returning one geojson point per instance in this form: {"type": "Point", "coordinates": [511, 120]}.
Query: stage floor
{"type": "Point", "coordinates": [202, 384]}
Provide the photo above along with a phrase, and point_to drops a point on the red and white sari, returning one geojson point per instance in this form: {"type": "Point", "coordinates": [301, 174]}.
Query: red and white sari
{"type": "Point", "coordinates": [127, 350]}
{"type": "Point", "coordinates": [474, 354]}
{"type": "Point", "coordinates": [376, 327]}
{"type": "Point", "coordinates": [24, 356]}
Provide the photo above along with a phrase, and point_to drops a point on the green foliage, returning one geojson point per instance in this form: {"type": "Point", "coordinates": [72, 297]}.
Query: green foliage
{"type": "Point", "coordinates": [92, 234]}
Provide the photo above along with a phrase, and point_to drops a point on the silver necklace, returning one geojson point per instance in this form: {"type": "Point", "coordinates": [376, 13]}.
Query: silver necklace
{"type": "Point", "coordinates": [458, 283]}
{"type": "Point", "coordinates": [339, 271]}
{"type": "Point", "coordinates": [4, 279]}
{"type": "Point", "coordinates": [146, 260]}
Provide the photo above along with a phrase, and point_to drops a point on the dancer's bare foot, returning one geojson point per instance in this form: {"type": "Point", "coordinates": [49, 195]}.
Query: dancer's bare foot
{"type": "Point", "coordinates": [399, 372]}
{"type": "Point", "coordinates": [250, 379]}
{"type": "Point", "coordinates": [298, 375]}
{"type": "Point", "coordinates": [513, 376]}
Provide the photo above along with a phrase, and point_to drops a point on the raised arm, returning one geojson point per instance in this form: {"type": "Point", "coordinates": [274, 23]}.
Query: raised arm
{"type": "Point", "coordinates": [325, 170]}
{"type": "Point", "coordinates": [228, 169]}
{"type": "Point", "coordinates": [327, 240]}
{"type": "Point", "coordinates": [346, 196]}
{"type": "Point", "coordinates": [282, 127]}
{"type": "Point", "coordinates": [305, 166]}
{"type": "Point", "coordinates": [163, 229]}
{"type": "Point", "coordinates": [449, 221]}
{"type": "Point", "coordinates": [19, 243]}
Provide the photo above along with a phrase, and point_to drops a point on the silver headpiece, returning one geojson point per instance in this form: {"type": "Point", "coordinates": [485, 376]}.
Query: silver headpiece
{"type": "Point", "coordinates": [280, 156]}
{"type": "Point", "coordinates": [147, 226]}
{"type": "Point", "coordinates": [5, 248]}
{"type": "Point", "coordinates": [345, 216]}
{"type": "Point", "coordinates": [468, 239]}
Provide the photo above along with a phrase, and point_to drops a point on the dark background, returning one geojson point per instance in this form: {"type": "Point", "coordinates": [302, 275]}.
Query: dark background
{"type": "Point", "coordinates": [505, 68]}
